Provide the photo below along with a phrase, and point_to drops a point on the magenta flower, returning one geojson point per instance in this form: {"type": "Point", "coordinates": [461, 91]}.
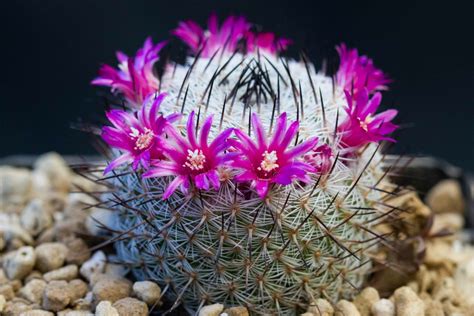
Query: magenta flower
{"type": "Point", "coordinates": [321, 158]}
{"type": "Point", "coordinates": [228, 36]}
{"type": "Point", "coordinates": [136, 134]}
{"type": "Point", "coordinates": [265, 162]}
{"type": "Point", "coordinates": [362, 125]}
{"type": "Point", "coordinates": [190, 159]}
{"type": "Point", "coordinates": [134, 78]}
{"type": "Point", "coordinates": [266, 42]}
{"type": "Point", "coordinates": [358, 72]}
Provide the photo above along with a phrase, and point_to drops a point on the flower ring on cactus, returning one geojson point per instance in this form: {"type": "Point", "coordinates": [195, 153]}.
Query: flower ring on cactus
{"type": "Point", "coordinates": [134, 79]}
{"type": "Point", "coordinates": [362, 125]}
{"type": "Point", "coordinates": [192, 159]}
{"type": "Point", "coordinates": [227, 37]}
{"type": "Point", "coordinates": [265, 162]}
{"type": "Point", "coordinates": [136, 133]}
{"type": "Point", "coordinates": [358, 72]}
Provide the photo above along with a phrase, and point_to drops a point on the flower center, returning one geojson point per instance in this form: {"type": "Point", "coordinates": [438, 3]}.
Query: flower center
{"type": "Point", "coordinates": [195, 160]}
{"type": "Point", "coordinates": [269, 161]}
{"type": "Point", "coordinates": [143, 140]}
{"type": "Point", "coordinates": [364, 124]}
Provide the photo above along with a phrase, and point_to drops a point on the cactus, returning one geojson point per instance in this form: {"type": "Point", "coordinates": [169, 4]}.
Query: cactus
{"type": "Point", "coordinates": [269, 227]}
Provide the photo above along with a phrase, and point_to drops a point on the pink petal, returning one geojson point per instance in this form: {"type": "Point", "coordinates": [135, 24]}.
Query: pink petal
{"type": "Point", "coordinates": [190, 126]}
{"type": "Point", "coordinates": [302, 148]}
{"type": "Point", "coordinates": [173, 186]}
{"type": "Point", "coordinates": [262, 188]}
{"type": "Point", "coordinates": [201, 181]}
{"type": "Point", "coordinates": [206, 127]}
{"type": "Point", "coordinates": [213, 177]}
{"type": "Point", "coordinates": [259, 132]}
{"type": "Point", "coordinates": [125, 158]}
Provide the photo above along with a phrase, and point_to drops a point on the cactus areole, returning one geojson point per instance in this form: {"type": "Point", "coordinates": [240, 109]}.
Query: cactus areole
{"type": "Point", "coordinates": [244, 177]}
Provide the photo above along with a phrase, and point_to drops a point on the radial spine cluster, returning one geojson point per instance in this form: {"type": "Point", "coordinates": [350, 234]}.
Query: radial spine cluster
{"type": "Point", "coordinates": [244, 177]}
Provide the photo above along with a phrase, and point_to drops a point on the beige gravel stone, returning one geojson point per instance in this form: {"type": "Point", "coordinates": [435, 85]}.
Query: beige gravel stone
{"type": "Point", "coordinates": [447, 221]}
{"type": "Point", "coordinates": [78, 251]}
{"type": "Point", "coordinates": [70, 312]}
{"type": "Point", "coordinates": [211, 310]}
{"type": "Point", "coordinates": [78, 289]}
{"type": "Point", "coordinates": [50, 256]}
{"type": "Point", "coordinates": [407, 303]}
{"type": "Point", "coordinates": [56, 296]}
{"type": "Point", "coordinates": [19, 263]}
{"type": "Point", "coordinates": [15, 308]}
{"type": "Point", "coordinates": [433, 308]}
{"type": "Point", "coordinates": [3, 277]}
{"type": "Point", "coordinates": [446, 196]}
{"type": "Point", "coordinates": [33, 275]}
{"type": "Point", "coordinates": [37, 312]}
{"type": "Point", "coordinates": [33, 291]}
{"type": "Point", "coordinates": [105, 308]}
{"type": "Point", "coordinates": [3, 301]}
{"type": "Point", "coordinates": [16, 285]}
{"type": "Point", "coordinates": [35, 218]}
{"type": "Point", "coordinates": [147, 291]}
{"type": "Point", "coordinates": [365, 299]}
{"type": "Point", "coordinates": [131, 307]}
{"type": "Point", "coordinates": [444, 290]}
{"type": "Point", "coordinates": [65, 273]}
{"type": "Point", "coordinates": [464, 279]}
{"type": "Point", "coordinates": [383, 307]}
{"type": "Point", "coordinates": [55, 168]}
{"type": "Point", "coordinates": [321, 307]}
{"type": "Point", "coordinates": [345, 308]}
{"type": "Point", "coordinates": [236, 311]}
{"type": "Point", "coordinates": [7, 291]}
{"type": "Point", "coordinates": [16, 188]}
{"type": "Point", "coordinates": [111, 289]}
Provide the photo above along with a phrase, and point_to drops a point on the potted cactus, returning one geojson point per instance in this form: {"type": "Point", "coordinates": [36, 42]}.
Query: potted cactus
{"type": "Point", "coordinates": [244, 177]}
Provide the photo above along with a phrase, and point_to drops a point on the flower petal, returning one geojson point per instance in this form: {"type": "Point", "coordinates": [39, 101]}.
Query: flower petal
{"type": "Point", "coordinates": [173, 186]}
{"type": "Point", "coordinates": [120, 160]}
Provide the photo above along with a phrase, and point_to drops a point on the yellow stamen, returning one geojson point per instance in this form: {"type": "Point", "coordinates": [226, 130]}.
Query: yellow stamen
{"type": "Point", "coordinates": [195, 160]}
{"type": "Point", "coordinates": [269, 161]}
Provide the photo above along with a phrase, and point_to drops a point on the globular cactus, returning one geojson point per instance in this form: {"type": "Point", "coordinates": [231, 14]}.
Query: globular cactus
{"type": "Point", "coordinates": [243, 177]}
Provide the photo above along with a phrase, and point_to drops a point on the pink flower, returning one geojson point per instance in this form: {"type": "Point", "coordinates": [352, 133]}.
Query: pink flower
{"type": "Point", "coordinates": [358, 72]}
{"type": "Point", "coordinates": [228, 36]}
{"type": "Point", "coordinates": [134, 78]}
{"type": "Point", "coordinates": [136, 134]}
{"type": "Point", "coordinates": [265, 162]}
{"type": "Point", "coordinates": [192, 159]}
{"type": "Point", "coordinates": [321, 158]}
{"type": "Point", "coordinates": [266, 42]}
{"type": "Point", "coordinates": [362, 125]}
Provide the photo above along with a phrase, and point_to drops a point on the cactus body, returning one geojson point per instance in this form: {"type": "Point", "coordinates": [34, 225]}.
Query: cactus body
{"type": "Point", "coordinates": [276, 252]}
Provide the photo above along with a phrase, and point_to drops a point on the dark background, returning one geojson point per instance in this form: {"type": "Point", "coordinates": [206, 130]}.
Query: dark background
{"type": "Point", "coordinates": [52, 49]}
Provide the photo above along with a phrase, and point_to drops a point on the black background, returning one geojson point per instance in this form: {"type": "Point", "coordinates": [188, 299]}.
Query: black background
{"type": "Point", "coordinates": [52, 49]}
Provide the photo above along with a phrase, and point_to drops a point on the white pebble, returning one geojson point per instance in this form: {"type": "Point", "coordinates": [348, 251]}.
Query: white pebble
{"type": "Point", "coordinates": [50, 256]}
{"type": "Point", "coordinates": [19, 263]}
{"type": "Point", "coordinates": [211, 310]}
{"type": "Point", "coordinates": [383, 307]}
{"type": "Point", "coordinates": [96, 264]}
{"type": "Point", "coordinates": [35, 218]}
{"type": "Point", "coordinates": [147, 291]}
{"type": "Point", "coordinates": [105, 308]}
